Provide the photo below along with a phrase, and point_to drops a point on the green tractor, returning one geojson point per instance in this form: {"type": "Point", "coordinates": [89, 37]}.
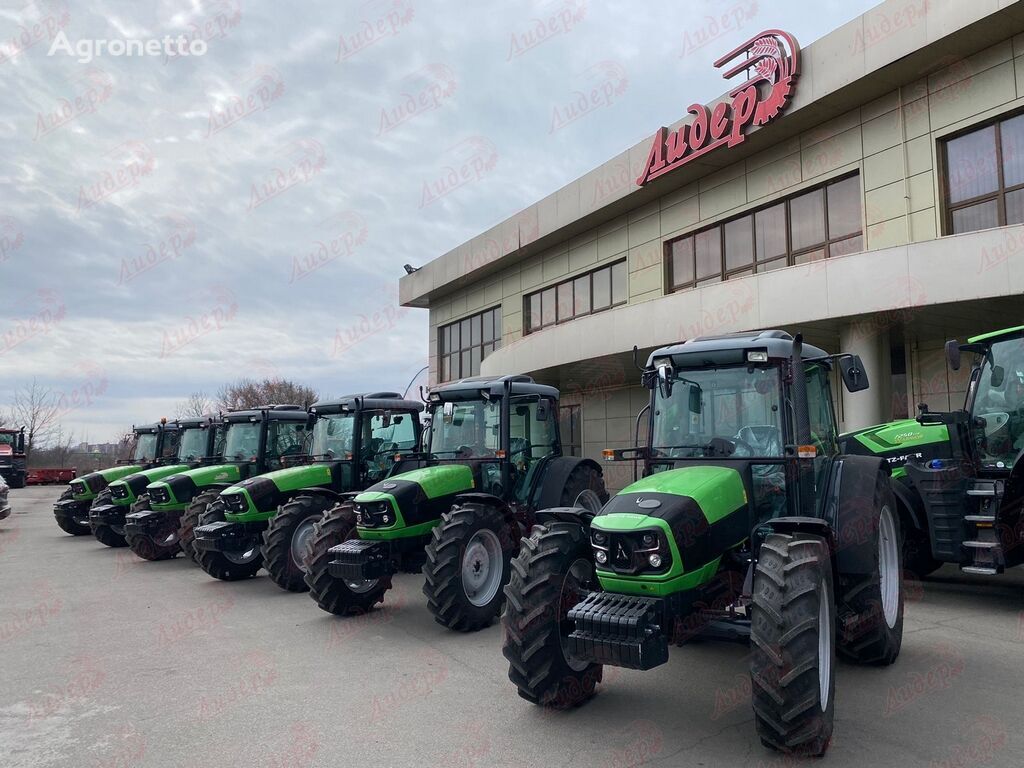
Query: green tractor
{"type": "Point", "coordinates": [959, 476]}
{"type": "Point", "coordinates": [153, 444]}
{"type": "Point", "coordinates": [255, 441]}
{"type": "Point", "coordinates": [458, 509]}
{"type": "Point", "coordinates": [201, 441]}
{"type": "Point", "coordinates": [748, 524]}
{"type": "Point", "coordinates": [267, 521]}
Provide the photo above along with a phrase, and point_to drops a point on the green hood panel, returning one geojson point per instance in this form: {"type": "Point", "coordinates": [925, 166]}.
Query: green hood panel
{"type": "Point", "coordinates": [295, 478]}
{"type": "Point", "coordinates": [718, 490]}
{"type": "Point", "coordinates": [113, 474]}
{"type": "Point", "coordinates": [158, 473]}
{"type": "Point", "coordinates": [214, 474]}
{"type": "Point", "coordinates": [897, 435]}
{"type": "Point", "coordinates": [436, 481]}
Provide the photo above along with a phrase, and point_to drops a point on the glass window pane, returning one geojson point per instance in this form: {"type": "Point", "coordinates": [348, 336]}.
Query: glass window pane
{"type": "Point", "coordinates": [488, 348]}
{"type": "Point", "coordinates": [1012, 133]}
{"type": "Point", "coordinates": [682, 262]}
{"type": "Point", "coordinates": [476, 325]}
{"type": "Point", "coordinates": [709, 281]}
{"type": "Point", "coordinates": [497, 327]}
{"type": "Point", "coordinates": [807, 219]}
{"type": "Point", "coordinates": [581, 292]}
{"type": "Point", "coordinates": [620, 283]}
{"type": "Point", "coordinates": [602, 289]}
{"type": "Point", "coordinates": [455, 338]}
{"type": "Point", "coordinates": [742, 273]}
{"type": "Point", "coordinates": [453, 367]}
{"type": "Point", "coordinates": [446, 339]}
{"type": "Point", "coordinates": [1015, 207]}
{"type": "Point", "coordinates": [477, 353]}
{"type": "Point", "coordinates": [770, 232]}
{"type": "Point", "coordinates": [843, 247]}
{"type": "Point", "coordinates": [767, 266]}
{"type": "Point", "coordinates": [844, 207]}
{"type": "Point", "coordinates": [565, 309]}
{"type": "Point", "coordinates": [488, 318]}
{"type": "Point", "coordinates": [467, 365]}
{"type": "Point", "coordinates": [974, 217]}
{"type": "Point", "coordinates": [548, 313]}
{"type": "Point", "coordinates": [445, 368]}
{"type": "Point", "coordinates": [739, 243]}
{"type": "Point", "coordinates": [535, 315]}
{"type": "Point", "coordinates": [971, 164]}
{"type": "Point", "coordinates": [464, 334]}
{"type": "Point", "coordinates": [708, 252]}
{"type": "Point", "coordinates": [804, 258]}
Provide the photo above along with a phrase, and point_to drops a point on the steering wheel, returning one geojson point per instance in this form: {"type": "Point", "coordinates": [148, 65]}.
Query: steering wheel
{"type": "Point", "coordinates": [735, 443]}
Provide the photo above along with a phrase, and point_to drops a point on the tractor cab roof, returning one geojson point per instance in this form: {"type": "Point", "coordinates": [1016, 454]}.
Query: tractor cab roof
{"type": "Point", "coordinates": [146, 429]}
{"type": "Point", "coordinates": [367, 401]}
{"type": "Point", "coordinates": [732, 348]}
{"type": "Point", "coordinates": [471, 388]}
{"type": "Point", "coordinates": [270, 412]}
{"type": "Point", "coordinates": [188, 422]}
{"type": "Point", "coordinates": [994, 336]}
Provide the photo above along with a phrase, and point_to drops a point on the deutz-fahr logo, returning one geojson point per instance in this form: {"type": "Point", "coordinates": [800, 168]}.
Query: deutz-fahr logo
{"type": "Point", "coordinates": [903, 437]}
{"type": "Point", "coordinates": [771, 63]}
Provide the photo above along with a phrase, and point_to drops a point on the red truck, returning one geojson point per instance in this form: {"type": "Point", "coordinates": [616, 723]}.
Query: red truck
{"type": "Point", "coordinates": [51, 476]}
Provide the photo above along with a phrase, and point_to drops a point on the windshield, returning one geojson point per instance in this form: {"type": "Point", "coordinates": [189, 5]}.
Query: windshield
{"type": "Point", "coordinates": [465, 430]}
{"type": "Point", "coordinates": [719, 412]}
{"type": "Point", "coordinates": [6, 438]}
{"type": "Point", "coordinates": [242, 442]}
{"type": "Point", "coordinates": [999, 403]}
{"type": "Point", "coordinates": [145, 447]}
{"type": "Point", "coordinates": [332, 435]}
{"type": "Point", "coordinates": [193, 444]}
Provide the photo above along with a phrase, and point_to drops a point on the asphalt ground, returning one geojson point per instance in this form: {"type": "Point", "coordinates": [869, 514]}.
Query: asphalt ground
{"type": "Point", "coordinates": [108, 660]}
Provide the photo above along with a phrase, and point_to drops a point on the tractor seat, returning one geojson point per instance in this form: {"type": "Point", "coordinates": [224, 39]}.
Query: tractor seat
{"type": "Point", "coordinates": [765, 440]}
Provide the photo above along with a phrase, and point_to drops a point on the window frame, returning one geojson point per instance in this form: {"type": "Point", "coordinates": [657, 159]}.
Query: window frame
{"type": "Point", "coordinates": [1001, 191]}
{"type": "Point", "coordinates": [789, 257]}
{"type": "Point", "coordinates": [528, 326]}
{"type": "Point", "coordinates": [467, 347]}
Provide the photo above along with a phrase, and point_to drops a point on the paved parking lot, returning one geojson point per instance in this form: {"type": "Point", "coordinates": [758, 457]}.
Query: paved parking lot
{"type": "Point", "coordinates": [112, 661]}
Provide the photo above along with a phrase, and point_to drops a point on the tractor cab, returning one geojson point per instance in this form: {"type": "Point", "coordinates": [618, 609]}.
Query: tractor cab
{"type": "Point", "coordinates": [13, 467]}
{"type": "Point", "coordinates": [153, 443]}
{"type": "Point", "coordinates": [973, 492]}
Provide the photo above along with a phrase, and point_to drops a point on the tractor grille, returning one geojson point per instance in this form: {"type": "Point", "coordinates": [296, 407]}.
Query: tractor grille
{"type": "Point", "coordinates": [160, 495]}
{"type": "Point", "coordinates": [119, 491]}
{"type": "Point", "coordinates": [374, 514]}
{"type": "Point", "coordinates": [78, 487]}
{"type": "Point", "coordinates": [234, 502]}
{"type": "Point", "coordinates": [627, 553]}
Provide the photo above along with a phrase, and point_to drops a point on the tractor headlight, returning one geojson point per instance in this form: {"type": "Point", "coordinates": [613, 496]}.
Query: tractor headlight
{"type": "Point", "coordinates": [601, 556]}
{"type": "Point", "coordinates": [631, 553]}
{"type": "Point", "coordinates": [654, 560]}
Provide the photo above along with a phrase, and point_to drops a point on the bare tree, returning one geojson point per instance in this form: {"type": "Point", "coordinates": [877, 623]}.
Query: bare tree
{"type": "Point", "coordinates": [36, 408]}
{"type": "Point", "coordinates": [197, 404]}
{"type": "Point", "coordinates": [58, 453]}
{"type": "Point", "coordinates": [125, 444]}
{"type": "Point", "coordinates": [247, 393]}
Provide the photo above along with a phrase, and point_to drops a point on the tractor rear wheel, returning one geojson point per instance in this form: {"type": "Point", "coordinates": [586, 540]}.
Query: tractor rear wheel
{"type": "Point", "coordinates": [333, 595]}
{"type": "Point", "coordinates": [107, 534]}
{"type": "Point", "coordinates": [190, 519]}
{"type": "Point", "coordinates": [792, 623]}
{"type": "Point", "coordinates": [75, 522]}
{"type": "Point", "coordinates": [227, 566]}
{"type": "Point", "coordinates": [585, 488]}
{"type": "Point", "coordinates": [163, 546]}
{"type": "Point", "coordinates": [917, 555]}
{"type": "Point", "coordinates": [468, 563]}
{"type": "Point", "coordinates": [550, 576]}
{"type": "Point", "coordinates": [286, 540]}
{"type": "Point", "coordinates": [875, 633]}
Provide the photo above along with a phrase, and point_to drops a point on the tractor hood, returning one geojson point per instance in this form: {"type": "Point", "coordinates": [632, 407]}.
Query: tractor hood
{"type": "Point", "coordinates": [264, 493]}
{"type": "Point", "coordinates": [92, 483]}
{"type": "Point", "coordinates": [899, 435]}
{"type": "Point", "coordinates": [130, 487]}
{"type": "Point", "coordinates": [410, 504]}
{"type": "Point", "coordinates": [180, 488]}
{"type": "Point", "coordinates": [688, 517]}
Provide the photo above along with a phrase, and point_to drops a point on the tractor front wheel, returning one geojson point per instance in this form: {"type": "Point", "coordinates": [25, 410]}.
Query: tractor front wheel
{"type": "Point", "coordinates": [227, 566]}
{"type": "Point", "coordinates": [550, 576]}
{"type": "Point", "coordinates": [337, 596]}
{"type": "Point", "coordinates": [793, 647]}
{"type": "Point", "coordinates": [190, 519]}
{"type": "Point", "coordinates": [163, 546]}
{"type": "Point", "coordinates": [286, 540]}
{"type": "Point", "coordinates": [75, 522]}
{"type": "Point", "coordinates": [468, 563]}
{"type": "Point", "coordinates": [107, 534]}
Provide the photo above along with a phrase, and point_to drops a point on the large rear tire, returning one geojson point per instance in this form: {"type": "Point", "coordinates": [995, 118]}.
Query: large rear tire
{"type": "Point", "coordinates": [106, 534]}
{"type": "Point", "coordinates": [468, 564]}
{"type": "Point", "coordinates": [76, 521]}
{"type": "Point", "coordinates": [286, 540]}
{"type": "Point", "coordinates": [163, 546]}
{"type": "Point", "coordinates": [336, 595]}
{"type": "Point", "coordinates": [874, 635]}
{"type": "Point", "coordinates": [549, 577]}
{"type": "Point", "coordinates": [190, 519]}
{"type": "Point", "coordinates": [227, 566]}
{"type": "Point", "coordinates": [584, 487]}
{"type": "Point", "coordinates": [792, 666]}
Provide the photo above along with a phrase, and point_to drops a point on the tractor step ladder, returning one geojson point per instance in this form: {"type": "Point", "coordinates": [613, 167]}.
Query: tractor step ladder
{"type": "Point", "coordinates": [982, 550]}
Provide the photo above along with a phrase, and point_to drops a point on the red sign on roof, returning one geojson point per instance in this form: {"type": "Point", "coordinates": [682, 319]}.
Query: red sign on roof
{"type": "Point", "coordinates": [771, 64]}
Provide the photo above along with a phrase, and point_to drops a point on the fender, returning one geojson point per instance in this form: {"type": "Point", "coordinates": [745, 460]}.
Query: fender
{"type": "Point", "coordinates": [577, 516]}
{"type": "Point", "coordinates": [850, 509]}
{"type": "Point", "coordinates": [911, 506]}
{"type": "Point", "coordinates": [556, 473]}
{"type": "Point", "coordinates": [492, 501]}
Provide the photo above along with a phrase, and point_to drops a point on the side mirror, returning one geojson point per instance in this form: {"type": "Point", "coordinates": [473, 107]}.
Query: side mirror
{"type": "Point", "coordinates": [448, 412]}
{"type": "Point", "coordinates": [695, 403]}
{"type": "Point", "coordinates": [998, 374]}
{"type": "Point", "coordinates": [386, 419]}
{"type": "Point", "coordinates": [543, 411]}
{"type": "Point", "coordinates": [953, 354]}
{"type": "Point", "coordinates": [854, 376]}
{"type": "Point", "coordinates": [665, 374]}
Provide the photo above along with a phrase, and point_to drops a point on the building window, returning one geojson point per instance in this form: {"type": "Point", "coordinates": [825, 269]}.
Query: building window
{"type": "Point", "coordinates": [822, 222]}
{"type": "Point", "coordinates": [985, 177]}
{"type": "Point", "coordinates": [570, 428]}
{"type": "Point", "coordinates": [595, 291]}
{"type": "Point", "coordinates": [463, 345]}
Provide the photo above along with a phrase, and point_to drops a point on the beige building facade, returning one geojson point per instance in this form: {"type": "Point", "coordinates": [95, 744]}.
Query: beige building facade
{"type": "Point", "coordinates": [881, 213]}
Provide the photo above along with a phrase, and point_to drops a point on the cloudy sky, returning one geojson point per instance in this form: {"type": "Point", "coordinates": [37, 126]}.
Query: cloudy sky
{"type": "Point", "coordinates": [170, 223]}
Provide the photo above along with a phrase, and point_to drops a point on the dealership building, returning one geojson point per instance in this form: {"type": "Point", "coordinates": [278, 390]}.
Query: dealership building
{"type": "Point", "coordinates": [866, 190]}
